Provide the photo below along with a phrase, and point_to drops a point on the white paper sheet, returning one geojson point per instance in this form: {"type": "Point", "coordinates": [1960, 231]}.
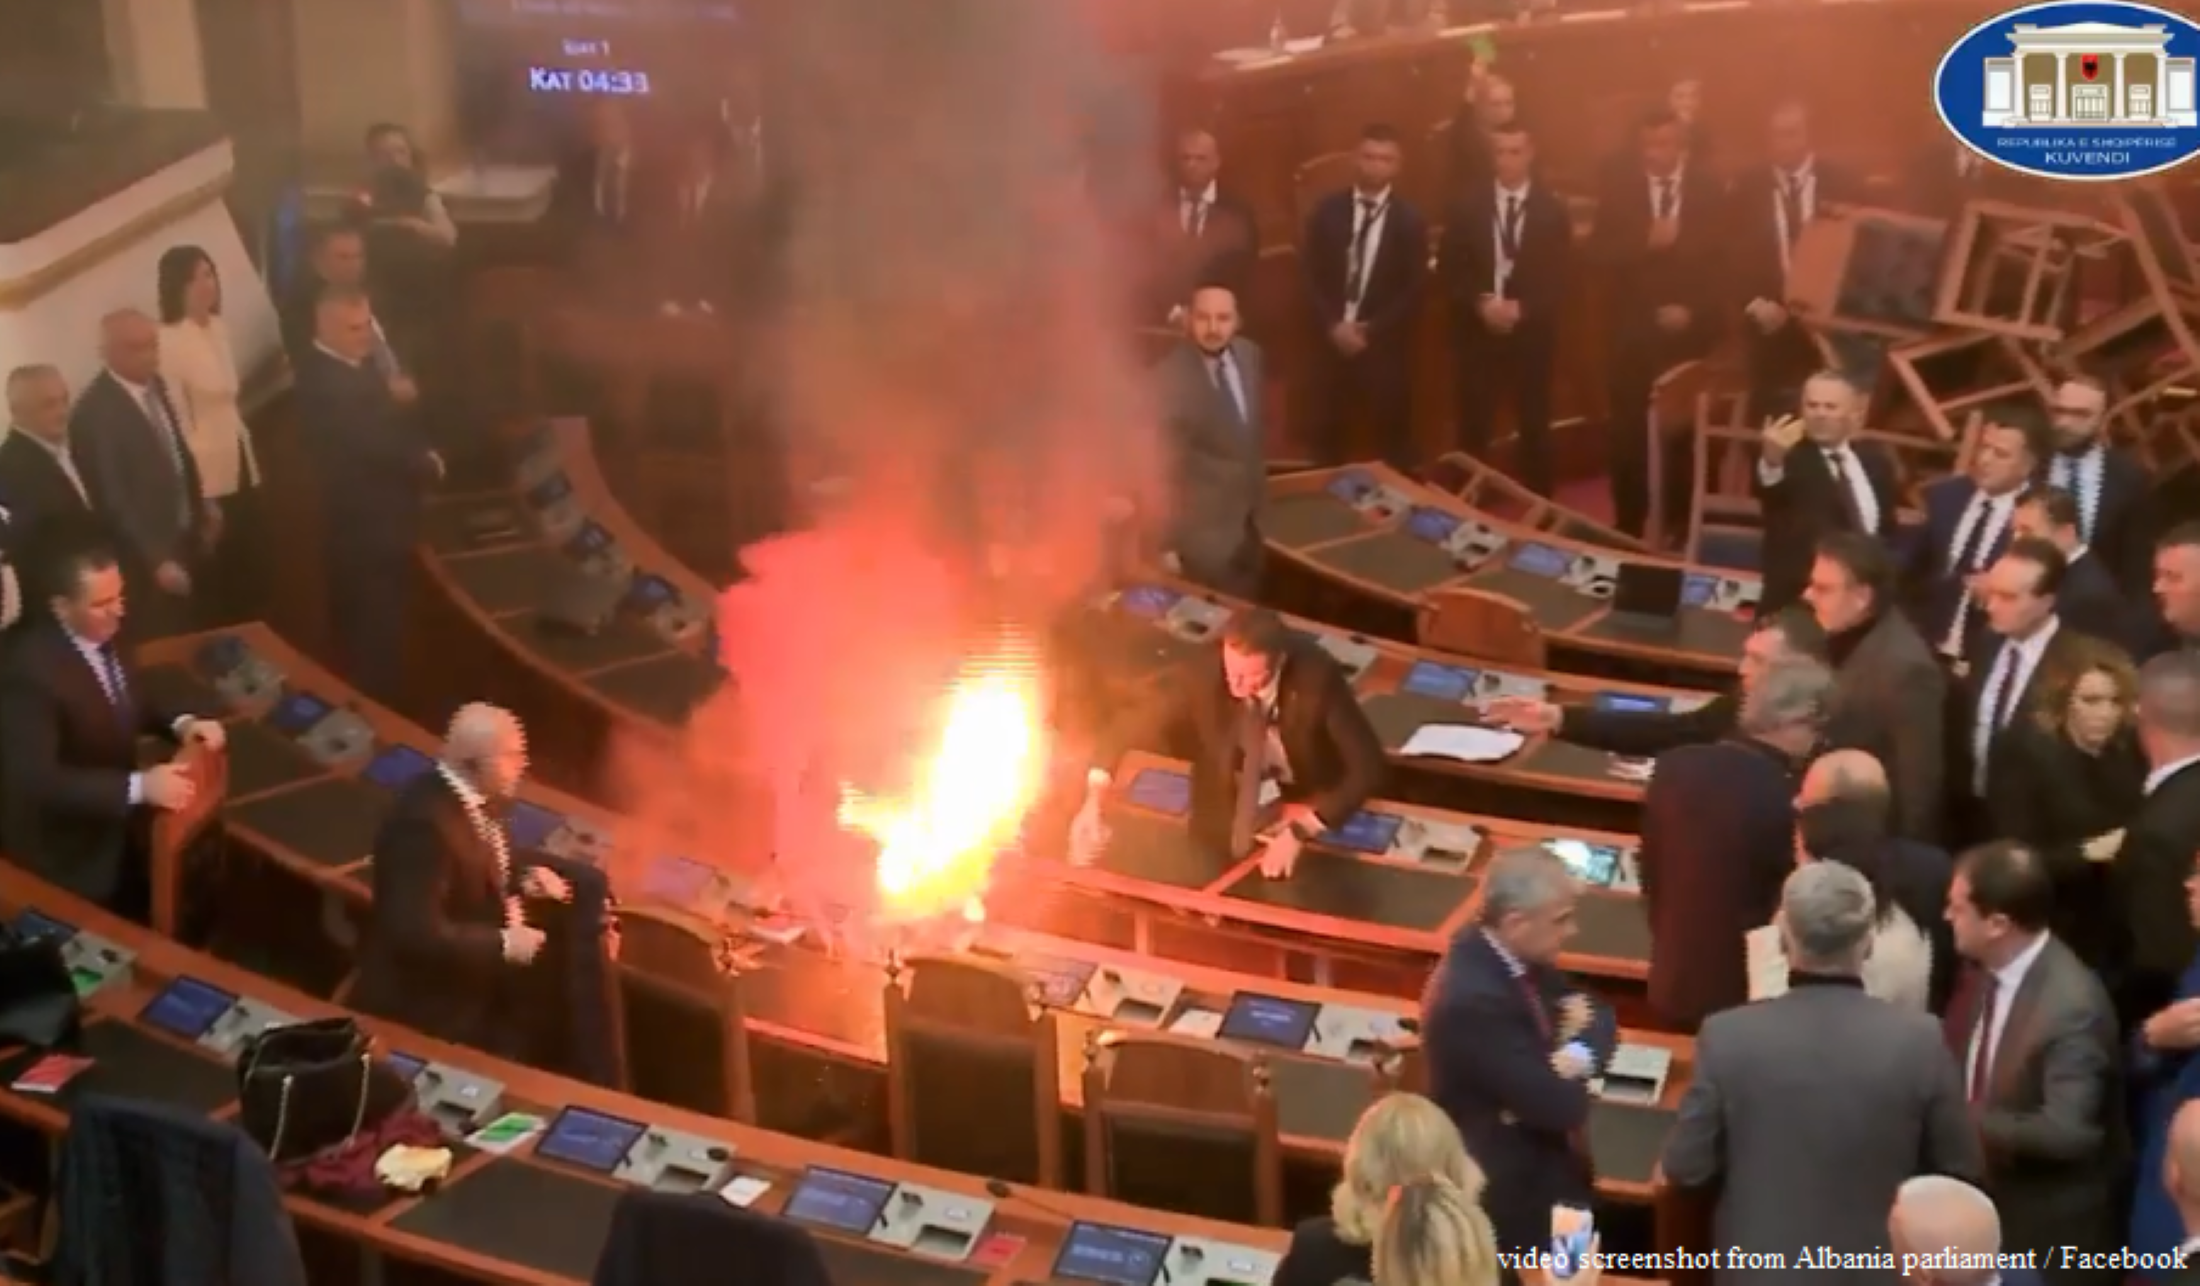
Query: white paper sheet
{"type": "Point", "coordinates": [1463, 742]}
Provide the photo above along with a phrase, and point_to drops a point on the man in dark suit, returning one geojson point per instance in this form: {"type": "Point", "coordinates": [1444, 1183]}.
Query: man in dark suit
{"type": "Point", "coordinates": [1656, 245]}
{"type": "Point", "coordinates": [372, 462]}
{"type": "Point", "coordinates": [2088, 600]}
{"type": "Point", "coordinates": [1366, 261]}
{"type": "Point", "coordinates": [2114, 491]}
{"type": "Point", "coordinates": [1504, 258]}
{"type": "Point", "coordinates": [129, 446]}
{"type": "Point", "coordinates": [1490, 103]}
{"type": "Point", "coordinates": [1968, 522]}
{"type": "Point", "coordinates": [71, 711]}
{"type": "Point", "coordinates": [1717, 841]}
{"type": "Point", "coordinates": [2174, 623]}
{"type": "Point", "coordinates": [1892, 695]}
{"type": "Point", "coordinates": [449, 923]}
{"type": "Point", "coordinates": [1842, 813]}
{"type": "Point", "coordinates": [1211, 391]}
{"type": "Point", "coordinates": [1277, 710]}
{"type": "Point", "coordinates": [1511, 1046]}
{"type": "Point", "coordinates": [2036, 1037]}
{"type": "Point", "coordinates": [1778, 638]}
{"type": "Point", "coordinates": [1810, 1109]}
{"type": "Point", "coordinates": [1769, 208]}
{"type": "Point", "coordinates": [2152, 865]}
{"type": "Point", "coordinates": [1816, 476]}
{"type": "Point", "coordinates": [2024, 644]}
{"type": "Point", "coordinates": [1941, 1225]}
{"type": "Point", "coordinates": [602, 194]}
{"type": "Point", "coordinates": [1207, 236]}
{"type": "Point", "coordinates": [694, 229]}
{"type": "Point", "coordinates": [39, 479]}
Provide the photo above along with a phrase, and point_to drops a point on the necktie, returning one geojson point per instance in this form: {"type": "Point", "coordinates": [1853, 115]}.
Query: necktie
{"type": "Point", "coordinates": [1837, 460]}
{"type": "Point", "coordinates": [1974, 544]}
{"type": "Point", "coordinates": [156, 410]}
{"type": "Point", "coordinates": [1542, 1015]}
{"type": "Point", "coordinates": [384, 358]}
{"type": "Point", "coordinates": [1252, 771]}
{"type": "Point", "coordinates": [1356, 265]}
{"type": "Point", "coordinates": [1218, 367]}
{"type": "Point", "coordinates": [2080, 476]}
{"type": "Point", "coordinates": [110, 678]}
{"type": "Point", "coordinates": [1995, 706]}
{"type": "Point", "coordinates": [1195, 217]}
{"type": "Point", "coordinates": [1791, 207]}
{"type": "Point", "coordinates": [1663, 207]}
{"type": "Point", "coordinates": [1509, 231]}
{"type": "Point", "coordinates": [1982, 1037]}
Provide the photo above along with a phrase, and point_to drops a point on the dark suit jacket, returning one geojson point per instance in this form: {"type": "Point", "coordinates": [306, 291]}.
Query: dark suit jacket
{"type": "Point", "coordinates": [1647, 734]}
{"type": "Point", "coordinates": [153, 505]}
{"type": "Point", "coordinates": [1984, 654]}
{"type": "Point", "coordinates": [70, 754]}
{"type": "Point", "coordinates": [2090, 602]}
{"type": "Point", "coordinates": [1395, 282]}
{"type": "Point", "coordinates": [1489, 1068]}
{"type": "Point", "coordinates": [1469, 256]}
{"type": "Point", "coordinates": [34, 487]}
{"type": "Point", "coordinates": [2124, 526]}
{"type": "Point", "coordinates": [1219, 463]}
{"type": "Point", "coordinates": [2149, 876]}
{"type": "Point", "coordinates": [2052, 1117]}
{"type": "Point", "coordinates": [1337, 760]}
{"type": "Point", "coordinates": [1223, 254]}
{"type": "Point", "coordinates": [1891, 699]}
{"type": "Point", "coordinates": [370, 454]}
{"type": "Point", "coordinates": [1934, 590]}
{"type": "Point", "coordinates": [1718, 826]}
{"type": "Point", "coordinates": [433, 954]}
{"type": "Point", "coordinates": [1642, 280]}
{"type": "Point", "coordinates": [1752, 234]}
{"type": "Point", "coordinates": [2047, 793]}
{"type": "Point", "coordinates": [1806, 505]}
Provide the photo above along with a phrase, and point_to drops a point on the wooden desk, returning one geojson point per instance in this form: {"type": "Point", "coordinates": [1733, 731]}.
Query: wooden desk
{"type": "Point", "coordinates": [570, 1229]}
{"type": "Point", "coordinates": [1380, 542]}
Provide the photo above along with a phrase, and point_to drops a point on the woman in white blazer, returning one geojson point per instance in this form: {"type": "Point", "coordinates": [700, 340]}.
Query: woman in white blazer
{"type": "Point", "coordinates": [1900, 967]}
{"type": "Point", "coordinates": [199, 367]}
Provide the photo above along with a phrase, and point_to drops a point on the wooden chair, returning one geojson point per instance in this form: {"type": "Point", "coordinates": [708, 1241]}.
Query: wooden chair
{"type": "Point", "coordinates": [676, 978]}
{"type": "Point", "coordinates": [1498, 493]}
{"type": "Point", "coordinates": [973, 1070]}
{"type": "Point", "coordinates": [1169, 1120]}
{"type": "Point", "coordinates": [185, 839]}
{"type": "Point", "coordinates": [2009, 270]}
{"type": "Point", "coordinates": [1480, 624]}
{"type": "Point", "coordinates": [1725, 519]}
{"type": "Point", "coordinates": [1676, 400]}
{"type": "Point", "coordinates": [1952, 374]}
{"type": "Point", "coordinates": [2150, 345]}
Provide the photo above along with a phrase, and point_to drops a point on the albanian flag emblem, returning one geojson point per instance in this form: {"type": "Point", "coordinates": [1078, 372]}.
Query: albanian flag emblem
{"type": "Point", "coordinates": [2090, 64]}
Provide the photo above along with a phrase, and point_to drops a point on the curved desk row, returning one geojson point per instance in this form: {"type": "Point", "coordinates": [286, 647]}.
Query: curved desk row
{"type": "Point", "coordinates": [165, 1019]}
{"type": "Point", "coordinates": [1149, 633]}
{"type": "Point", "coordinates": [1387, 542]}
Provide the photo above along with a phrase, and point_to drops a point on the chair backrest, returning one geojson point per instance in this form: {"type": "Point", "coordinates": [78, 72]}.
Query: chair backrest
{"type": "Point", "coordinates": [677, 983]}
{"type": "Point", "coordinates": [178, 833]}
{"type": "Point", "coordinates": [973, 1070]}
{"type": "Point", "coordinates": [1480, 624]}
{"type": "Point", "coordinates": [1497, 493]}
{"type": "Point", "coordinates": [1182, 1124]}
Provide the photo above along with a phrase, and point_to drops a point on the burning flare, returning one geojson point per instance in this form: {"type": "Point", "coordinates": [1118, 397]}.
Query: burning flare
{"type": "Point", "coordinates": [936, 846]}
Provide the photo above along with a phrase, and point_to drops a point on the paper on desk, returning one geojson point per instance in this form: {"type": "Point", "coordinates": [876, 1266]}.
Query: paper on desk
{"type": "Point", "coordinates": [1420, 836]}
{"type": "Point", "coordinates": [1202, 1023]}
{"type": "Point", "coordinates": [1463, 742]}
{"type": "Point", "coordinates": [743, 1190]}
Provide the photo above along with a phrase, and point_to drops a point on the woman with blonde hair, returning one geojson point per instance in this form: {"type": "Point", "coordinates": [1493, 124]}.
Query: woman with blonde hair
{"type": "Point", "coordinates": [1401, 1137]}
{"type": "Point", "coordinates": [1435, 1234]}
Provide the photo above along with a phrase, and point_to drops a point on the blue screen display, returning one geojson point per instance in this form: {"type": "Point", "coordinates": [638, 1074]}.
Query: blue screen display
{"type": "Point", "coordinates": [550, 490]}
{"type": "Point", "coordinates": [1161, 791]}
{"type": "Point", "coordinates": [1269, 1020]}
{"type": "Point", "coordinates": [187, 1008]}
{"type": "Point", "coordinates": [1591, 863]}
{"type": "Point", "coordinates": [297, 713]}
{"type": "Point", "coordinates": [37, 926]}
{"type": "Point", "coordinates": [1630, 703]}
{"type": "Point", "coordinates": [1366, 832]}
{"type": "Point", "coordinates": [217, 657]}
{"type": "Point", "coordinates": [1697, 589]}
{"type": "Point", "coordinates": [1061, 981]}
{"type": "Point", "coordinates": [589, 541]}
{"type": "Point", "coordinates": [649, 591]}
{"type": "Point", "coordinates": [1432, 525]}
{"type": "Point", "coordinates": [590, 1140]}
{"type": "Point", "coordinates": [397, 767]}
{"type": "Point", "coordinates": [678, 880]}
{"type": "Point", "coordinates": [406, 1065]}
{"type": "Point", "coordinates": [1540, 560]}
{"type": "Point", "coordinates": [1150, 602]}
{"type": "Point", "coordinates": [1440, 682]}
{"type": "Point", "coordinates": [839, 1200]}
{"type": "Point", "coordinates": [1112, 1256]}
{"type": "Point", "coordinates": [531, 826]}
{"type": "Point", "coordinates": [1352, 488]}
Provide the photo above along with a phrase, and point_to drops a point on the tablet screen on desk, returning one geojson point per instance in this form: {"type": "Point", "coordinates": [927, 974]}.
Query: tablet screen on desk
{"type": "Point", "coordinates": [1098, 1252]}
{"type": "Point", "coordinates": [397, 767]}
{"type": "Point", "coordinates": [589, 541]}
{"type": "Point", "coordinates": [1440, 682]}
{"type": "Point", "coordinates": [677, 880]}
{"type": "Point", "coordinates": [1630, 703]}
{"type": "Point", "coordinates": [1162, 791]}
{"type": "Point", "coordinates": [591, 1140]}
{"type": "Point", "coordinates": [1061, 981]}
{"type": "Point", "coordinates": [38, 926]}
{"type": "Point", "coordinates": [1432, 525]}
{"type": "Point", "coordinates": [648, 591]}
{"type": "Point", "coordinates": [297, 713]}
{"type": "Point", "coordinates": [1269, 1020]}
{"type": "Point", "coordinates": [1697, 589]}
{"type": "Point", "coordinates": [1148, 602]}
{"type": "Point", "coordinates": [187, 1008]}
{"type": "Point", "coordinates": [1352, 488]}
{"type": "Point", "coordinates": [531, 826]}
{"type": "Point", "coordinates": [221, 656]}
{"type": "Point", "coordinates": [1591, 863]}
{"type": "Point", "coordinates": [1366, 832]}
{"type": "Point", "coordinates": [550, 490]}
{"type": "Point", "coordinates": [1540, 560]}
{"type": "Point", "coordinates": [405, 1065]}
{"type": "Point", "coordinates": [836, 1199]}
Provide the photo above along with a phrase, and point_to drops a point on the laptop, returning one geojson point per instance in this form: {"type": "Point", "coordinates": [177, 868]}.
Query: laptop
{"type": "Point", "coordinates": [1647, 598]}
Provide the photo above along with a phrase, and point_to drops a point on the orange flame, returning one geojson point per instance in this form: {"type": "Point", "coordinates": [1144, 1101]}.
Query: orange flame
{"type": "Point", "coordinates": [936, 846]}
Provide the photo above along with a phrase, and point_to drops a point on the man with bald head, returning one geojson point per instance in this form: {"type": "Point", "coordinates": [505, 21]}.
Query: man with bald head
{"type": "Point", "coordinates": [129, 447]}
{"type": "Point", "coordinates": [2156, 858]}
{"type": "Point", "coordinates": [1843, 813]}
{"type": "Point", "coordinates": [1939, 1221]}
{"type": "Point", "coordinates": [449, 923]}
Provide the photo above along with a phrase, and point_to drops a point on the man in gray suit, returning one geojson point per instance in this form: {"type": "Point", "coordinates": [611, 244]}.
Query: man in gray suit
{"type": "Point", "coordinates": [1809, 1110]}
{"type": "Point", "coordinates": [2035, 1034]}
{"type": "Point", "coordinates": [1211, 397]}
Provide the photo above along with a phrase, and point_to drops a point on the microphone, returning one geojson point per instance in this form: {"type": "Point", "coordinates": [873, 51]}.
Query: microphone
{"type": "Point", "coordinates": [1002, 1190]}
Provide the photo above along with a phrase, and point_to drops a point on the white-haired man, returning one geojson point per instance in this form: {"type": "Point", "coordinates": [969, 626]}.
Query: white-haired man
{"type": "Point", "coordinates": [1941, 1229]}
{"type": "Point", "coordinates": [448, 923]}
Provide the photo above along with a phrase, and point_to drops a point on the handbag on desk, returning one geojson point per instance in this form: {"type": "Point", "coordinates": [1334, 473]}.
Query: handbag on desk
{"type": "Point", "coordinates": [305, 1088]}
{"type": "Point", "coordinates": [38, 1001]}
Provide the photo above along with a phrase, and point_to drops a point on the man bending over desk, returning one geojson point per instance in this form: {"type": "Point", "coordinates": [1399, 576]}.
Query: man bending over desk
{"type": "Point", "coordinates": [1275, 724]}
